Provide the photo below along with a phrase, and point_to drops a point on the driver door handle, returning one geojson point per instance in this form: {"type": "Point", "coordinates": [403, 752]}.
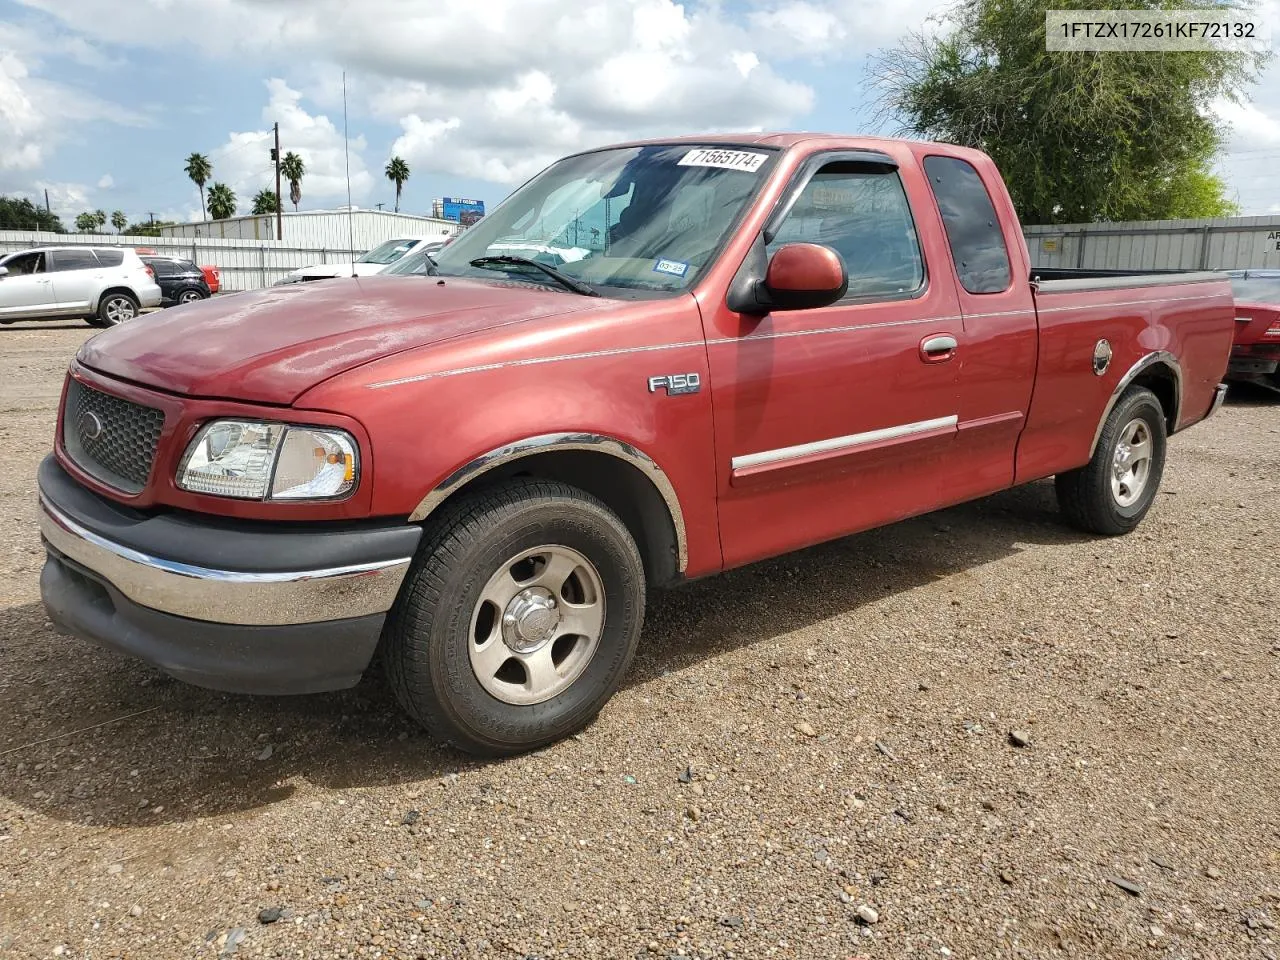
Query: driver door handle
{"type": "Point", "coordinates": [938, 348]}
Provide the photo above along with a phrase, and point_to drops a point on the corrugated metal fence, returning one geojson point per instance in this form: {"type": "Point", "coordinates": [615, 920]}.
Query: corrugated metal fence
{"type": "Point", "coordinates": [243, 264]}
{"type": "Point", "coordinates": [1235, 242]}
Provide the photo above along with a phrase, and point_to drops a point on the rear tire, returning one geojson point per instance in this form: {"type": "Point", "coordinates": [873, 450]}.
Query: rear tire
{"type": "Point", "coordinates": [190, 296]}
{"type": "Point", "coordinates": [115, 308]}
{"type": "Point", "coordinates": [518, 619]}
{"type": "Point", "coordinates": [1113, 492]}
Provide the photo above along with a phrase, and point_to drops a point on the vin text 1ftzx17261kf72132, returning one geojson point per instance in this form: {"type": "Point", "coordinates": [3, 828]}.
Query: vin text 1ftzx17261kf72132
{"type": "Point", "coordinates": [653, 362]}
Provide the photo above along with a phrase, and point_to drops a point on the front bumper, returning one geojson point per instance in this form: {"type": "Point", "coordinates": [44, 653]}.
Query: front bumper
{"type": "Point", "coordinates": [238, 606]}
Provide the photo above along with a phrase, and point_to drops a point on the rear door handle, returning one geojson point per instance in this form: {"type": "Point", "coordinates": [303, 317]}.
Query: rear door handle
{"type": "Point", "coordinates": [938, 348]}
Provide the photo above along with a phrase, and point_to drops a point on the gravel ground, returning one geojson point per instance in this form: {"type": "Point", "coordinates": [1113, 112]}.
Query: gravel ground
{"type": "Point", "coordinates": [812, 757]}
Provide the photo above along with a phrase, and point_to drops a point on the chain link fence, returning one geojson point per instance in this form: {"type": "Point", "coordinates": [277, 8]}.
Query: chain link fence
{"type": "Point", "coordinates": [242, 264]}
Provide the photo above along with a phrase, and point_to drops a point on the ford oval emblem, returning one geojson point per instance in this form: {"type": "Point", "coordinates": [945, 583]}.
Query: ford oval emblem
{"type": "Point", "coordinates": [90, 425]}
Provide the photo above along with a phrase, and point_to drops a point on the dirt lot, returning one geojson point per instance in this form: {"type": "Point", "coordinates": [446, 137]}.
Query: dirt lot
{"type": "Point", "coordinates": [845, 715]}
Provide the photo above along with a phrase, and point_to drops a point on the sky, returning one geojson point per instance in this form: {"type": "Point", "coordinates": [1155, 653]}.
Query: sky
{"type": "Point", "coordinates": [101, 101]}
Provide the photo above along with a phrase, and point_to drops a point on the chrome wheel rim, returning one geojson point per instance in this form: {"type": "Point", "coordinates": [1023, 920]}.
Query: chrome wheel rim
{"type": "Point", "coordinates": [1131, 463]}
{"type": "Point", "coordinates": [189, 297]}
{"type": "Point", "coordinates": [536, 625]}
{"type": "Point", "coordinates": [119, 309]}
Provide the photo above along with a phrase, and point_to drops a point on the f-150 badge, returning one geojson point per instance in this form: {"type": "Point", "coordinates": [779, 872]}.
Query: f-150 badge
{"type": "Point", "coordinates": [676, 383]}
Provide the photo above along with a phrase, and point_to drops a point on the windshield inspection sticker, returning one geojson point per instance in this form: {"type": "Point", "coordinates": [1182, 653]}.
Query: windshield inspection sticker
{"type": "Point", "coordinates": [677, 268]}
{"type": "Point", "coordinates": [727, 159]}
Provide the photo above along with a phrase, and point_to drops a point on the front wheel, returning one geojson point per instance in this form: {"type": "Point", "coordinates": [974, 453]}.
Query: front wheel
{"type": "Point", "coordinates": [1113, 492]}
{"type": "Point", "coordinates": [518, 620]}
{"type": "Point", "coordinates": [114, 309]}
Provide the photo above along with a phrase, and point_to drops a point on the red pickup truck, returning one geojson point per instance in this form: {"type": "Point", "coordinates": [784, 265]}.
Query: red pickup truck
{"type": "Point", "coordinates": [652, 362]}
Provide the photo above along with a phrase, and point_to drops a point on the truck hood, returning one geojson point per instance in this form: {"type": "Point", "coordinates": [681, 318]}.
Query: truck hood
{"type": "Point", "coordinates": [272, 345]}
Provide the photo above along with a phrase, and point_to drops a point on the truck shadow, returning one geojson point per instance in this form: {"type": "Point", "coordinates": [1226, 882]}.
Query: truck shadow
{"type": "Point", "coordinates": [195, 753]}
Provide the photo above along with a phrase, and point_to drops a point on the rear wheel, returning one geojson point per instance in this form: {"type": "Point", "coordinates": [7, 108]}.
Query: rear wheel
{"type": "Point", "coordinates": [190, 296]}
{"type": "Point", "coordinates": [1114, 491]}
{"type": "Point", "coordinates": [115, 308]}
{"type": "Point", "coordinates": [518, 620]}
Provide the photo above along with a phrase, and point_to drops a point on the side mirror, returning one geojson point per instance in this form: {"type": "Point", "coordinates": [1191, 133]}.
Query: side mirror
{"type": "Point", "coordinates": [803, 275]}
{"type": "Point", "coordinates": [4, 272]}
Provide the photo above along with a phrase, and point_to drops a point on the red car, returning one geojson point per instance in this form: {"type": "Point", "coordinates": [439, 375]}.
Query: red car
{"type": "Point", "coordinates": [1255, 357]}
{"type": "Point", "coordinates": [737, 347]}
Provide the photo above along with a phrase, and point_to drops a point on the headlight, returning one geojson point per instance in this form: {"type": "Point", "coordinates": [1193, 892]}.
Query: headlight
{"type": "Point", "coordinates": [255, 460]}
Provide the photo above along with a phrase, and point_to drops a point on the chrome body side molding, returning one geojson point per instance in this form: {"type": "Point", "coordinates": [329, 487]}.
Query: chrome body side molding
{"type": "Point", "coordinates": [1148, 361]}
{"type": "Point", "coordinates": [553, 442]}
{"type": "Point", "coordinates": [783, 455]}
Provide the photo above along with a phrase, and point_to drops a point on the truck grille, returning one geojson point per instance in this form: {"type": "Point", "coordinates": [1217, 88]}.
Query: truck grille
{"type": "Point", "coordinates": [112, 439]}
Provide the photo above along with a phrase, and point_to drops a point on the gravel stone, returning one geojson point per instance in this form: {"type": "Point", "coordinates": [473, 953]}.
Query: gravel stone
{"type": "Point", "coordinates": [868, 915]}
{"type": "Point", "coordinates": [1020, 738]}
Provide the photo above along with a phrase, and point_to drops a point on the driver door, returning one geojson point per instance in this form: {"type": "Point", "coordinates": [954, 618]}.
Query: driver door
{"type": "Point", "coordinates": [840, 418]}
{"type": "Point", "coordinates": [27, 290]}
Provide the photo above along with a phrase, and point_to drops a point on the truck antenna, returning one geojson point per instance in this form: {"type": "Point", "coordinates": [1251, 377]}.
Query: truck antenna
{"type": "Point", "coordinates": [346, 148]}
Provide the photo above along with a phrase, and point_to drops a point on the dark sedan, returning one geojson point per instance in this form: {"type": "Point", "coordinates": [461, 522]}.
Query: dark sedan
{"type": "Point", "coordinates": [181, 281]}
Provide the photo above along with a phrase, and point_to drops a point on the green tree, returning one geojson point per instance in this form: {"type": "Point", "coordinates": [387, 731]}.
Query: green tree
{"type": "Point", "coordinates": [19, 213]}
{"type": "Point", "coordinates": [222, 201]}
{"type": "Point", "coordinates": [293, 169]}
{"type": "Point", "coordinates": [1078, 136]}
{"type": "Point", "coordinates": [86, 221]}
{"type": "Point", "coordinates": [100, 219]}
{"type": "Point", "coordinates": [397, 173]}
{"type": "Point", "coordinates": [200, 170]}
{"type": "Point", "coordinates": [119, 220]}
{"type": "Point", "coordinates": [148, 228]}
{"type": "Point", "coordinates": [266, 201]}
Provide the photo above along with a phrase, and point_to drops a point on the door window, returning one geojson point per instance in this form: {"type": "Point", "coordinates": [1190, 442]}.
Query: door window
{"type": "Point", "coordinates": [74, 260]}
{"type": "Point", "coordinates": [25, 264]}
{"type": "Point", "coordinates": [973, 230]}
{"type": "Point", "coordinates": [862, 213]}
{"type": "Point", "coordinates": [162, 268]}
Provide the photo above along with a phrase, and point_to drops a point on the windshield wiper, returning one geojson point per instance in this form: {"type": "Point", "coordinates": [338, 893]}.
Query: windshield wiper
{"type": "Point", "coordinates": [566, 281]}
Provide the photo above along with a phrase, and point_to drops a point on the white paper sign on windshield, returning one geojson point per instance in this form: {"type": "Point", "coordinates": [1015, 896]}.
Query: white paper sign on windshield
{"type": "Point", "coordinates": [726, 159]}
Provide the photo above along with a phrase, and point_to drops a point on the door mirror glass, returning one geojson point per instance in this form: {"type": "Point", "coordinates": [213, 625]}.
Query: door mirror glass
{"type": "Point", "coordinates": [803, 275]}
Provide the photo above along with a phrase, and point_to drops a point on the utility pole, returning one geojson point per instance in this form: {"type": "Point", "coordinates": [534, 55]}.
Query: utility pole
{"type": "Point", "coordinates": [47, 208]}
{"type": "Point", "coordinates": [275, 156]}
{"type": "Point", "coordinates": [153, 218]}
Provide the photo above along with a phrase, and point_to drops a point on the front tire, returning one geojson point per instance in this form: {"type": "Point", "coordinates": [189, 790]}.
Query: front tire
{"type": "Point", "coordinates": [518, 620]}
{"type": "Point", "coordinates": [1113, 492]}
{"type": "Point", "coordinates": [114, 309]}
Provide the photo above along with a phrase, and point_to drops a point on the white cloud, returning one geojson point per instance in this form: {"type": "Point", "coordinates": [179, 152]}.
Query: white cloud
{"type": "Point", "coordinates": [492, 90]}
{"type": "Point", "coordinates": [106, 182]}
{"type": "Point", "coordinates": [244, 161]}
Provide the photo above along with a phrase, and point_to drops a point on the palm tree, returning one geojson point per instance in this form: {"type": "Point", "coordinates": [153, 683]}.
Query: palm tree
{"type": "Point", "coordinates": [85, 221]}
{"type": "Point", "coordinates": [200, 170]}
{"type": "Point", "coordinates": [99, 218]}
{"type": "Point", "coordinates": [397, 173]}
{"type": "Point", "coordinates": [119, 221]}
{"type": "Point", "coordinates": [293, 169]}
{"type": "Point", "coordinates": [222, 201]}
{"type": "Point", "coordinates": [266, 201]}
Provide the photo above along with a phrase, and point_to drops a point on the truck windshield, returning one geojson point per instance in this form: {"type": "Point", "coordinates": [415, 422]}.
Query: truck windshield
{"type": "Point", "coordinates": [638, 218]}
{"type": "Point", "coordinates": [388, 252]}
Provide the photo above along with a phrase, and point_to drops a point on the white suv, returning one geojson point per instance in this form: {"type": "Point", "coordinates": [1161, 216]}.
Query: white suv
{"type": "Point", "coordinates": [104, 285]}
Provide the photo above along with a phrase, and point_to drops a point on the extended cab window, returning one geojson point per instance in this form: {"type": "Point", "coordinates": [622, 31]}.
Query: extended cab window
{"type": "Point", "coordinates": [74, 260]}
{"type": "Point", "coordinates": [973, 230]}
{"type": "Point", "coordinates": [862, 213]}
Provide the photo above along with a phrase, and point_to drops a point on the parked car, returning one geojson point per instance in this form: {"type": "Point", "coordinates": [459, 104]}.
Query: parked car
{"type": "Point", "coordinates": [1255, 356]}
{"type": "Point", "coordinates": [479, 473]}
{"type": "Point", "coordinates": [180, 281]}
{"type": "Point", "coordinates": [104, 285]}
{"type": "Point", "coordinates": [212, 277]}
{"type": "Point", "coordinates": [375, 261]}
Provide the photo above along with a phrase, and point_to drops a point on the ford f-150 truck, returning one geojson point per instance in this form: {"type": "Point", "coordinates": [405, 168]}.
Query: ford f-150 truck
{"type": "Point", "coordinates": [751, 344]}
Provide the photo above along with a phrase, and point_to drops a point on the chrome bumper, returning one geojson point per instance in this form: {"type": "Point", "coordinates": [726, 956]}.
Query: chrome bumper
{"type": "Point", "coordinates": [1219, 395]}
{"type": "Point", "coordinates": [227, 596]}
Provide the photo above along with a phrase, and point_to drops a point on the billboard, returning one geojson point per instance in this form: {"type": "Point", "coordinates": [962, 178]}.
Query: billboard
{"type": "Point", "coordinates": [465, 212]}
